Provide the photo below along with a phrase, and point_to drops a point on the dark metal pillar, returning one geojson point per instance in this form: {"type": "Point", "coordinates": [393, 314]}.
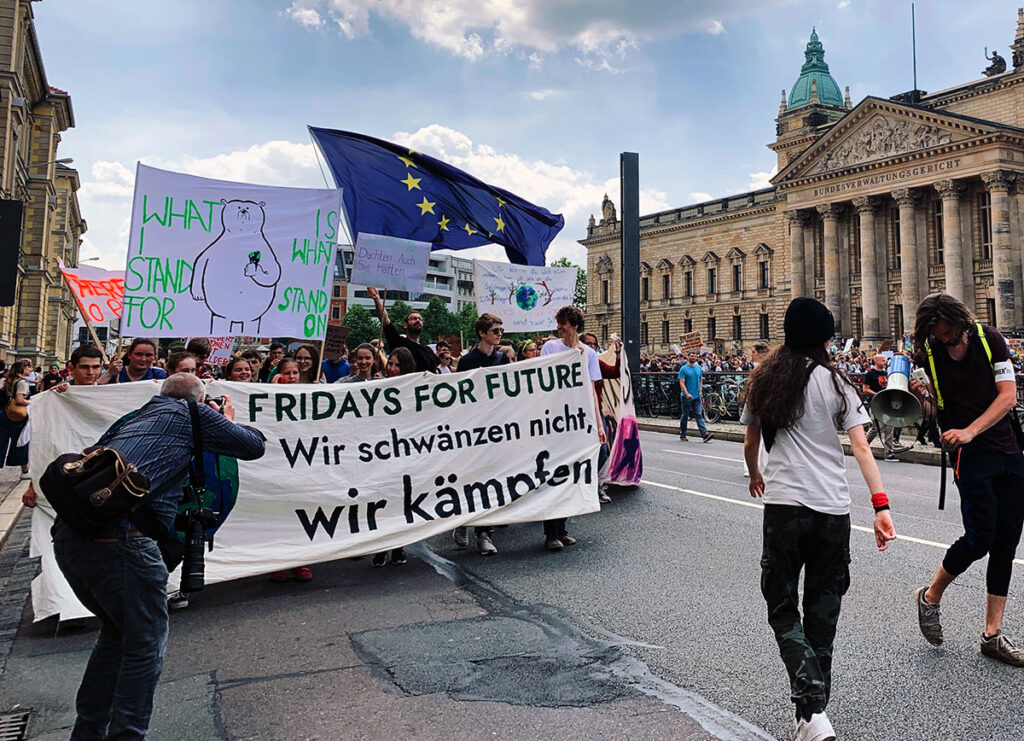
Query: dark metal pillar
{"type": "Point", "coordinates": [629, 165]}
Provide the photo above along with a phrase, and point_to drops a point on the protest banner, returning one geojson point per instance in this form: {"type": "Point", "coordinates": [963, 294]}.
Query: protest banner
{"type": "Point", "coordinates": [352, 469]}
{"type": "Point", "coordinates": [220, 350]}
{"type": "Point", "coordinates": [690, 342]}
{"type": "Point", "coordinates": [210, 257]}
{"type": "Point", "coordinates": [99, 293]}
{"type": "Point", "coordinates": [624, 464]}
{"type": "Point", "coordinates": [390, 263]}
{"type": "Point", "coordinates": [335, 341]}
{"type": "Point", "coordinates": [524, 297]}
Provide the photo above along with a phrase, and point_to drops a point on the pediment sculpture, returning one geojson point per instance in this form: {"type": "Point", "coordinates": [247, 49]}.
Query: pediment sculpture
{"type": "Point", "coordinates": [882, 138]}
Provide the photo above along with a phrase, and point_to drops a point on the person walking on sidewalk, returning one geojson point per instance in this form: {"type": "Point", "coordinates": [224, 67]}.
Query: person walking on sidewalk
{"type": "Point", "coordinates": [690, 398]}
{"type": "Point", "coordinates": [14, 401]}
{"type": "Point", "coordinates": [795, 401]}
{"type": "Point", "coordinates": [973, 389]}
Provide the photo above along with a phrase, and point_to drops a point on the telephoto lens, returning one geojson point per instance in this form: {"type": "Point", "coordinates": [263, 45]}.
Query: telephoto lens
{"type": "Point", "coordinates": [193, 565]}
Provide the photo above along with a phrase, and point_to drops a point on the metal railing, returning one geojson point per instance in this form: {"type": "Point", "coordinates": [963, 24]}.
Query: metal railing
{"type": "Point", "coordinates": [657, 394]}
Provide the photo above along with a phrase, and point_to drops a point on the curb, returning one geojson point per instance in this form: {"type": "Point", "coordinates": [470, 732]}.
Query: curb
{"type": "Point", "coordinates": [10, 509]}
{"type": "Point", "coordinates": [734, 432]}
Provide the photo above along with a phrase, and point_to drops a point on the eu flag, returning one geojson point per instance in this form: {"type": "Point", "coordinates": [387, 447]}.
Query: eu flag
{"type": "Point", "coordinates": [398, 192]}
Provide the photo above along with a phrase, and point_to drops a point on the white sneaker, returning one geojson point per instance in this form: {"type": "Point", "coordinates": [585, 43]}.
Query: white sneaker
{"type": "Point", "coordinates": [460, 537]}
{"type": "Point", "coordinates": [818, 728]}
{"type": "Point", "coordinates": [177, 601]}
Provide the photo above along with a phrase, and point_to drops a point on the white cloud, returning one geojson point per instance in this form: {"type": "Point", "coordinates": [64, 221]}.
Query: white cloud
{"type": "Point", "coordinates": [107, 195]}
{"type": "Point", "coordinates": [543, 94]}
{"type": "Point", "coordinates": [760, 180]}
{"type": "Point", "coordinates": [844, 4]}
{"type": "Point", "coordinates": [698, 196]}
{"type": "Point", "coordinates": [473, 28]}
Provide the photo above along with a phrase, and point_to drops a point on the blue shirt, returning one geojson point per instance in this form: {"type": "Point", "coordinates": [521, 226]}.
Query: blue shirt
{"type": "Point", "coordinates": [158, 440]}
{"type": "Point", "coordinates": [335, 370]}
{"type": "Point", "coordinates": [152, 373]}
{"type": "Point", "coordinates": [691, 374]}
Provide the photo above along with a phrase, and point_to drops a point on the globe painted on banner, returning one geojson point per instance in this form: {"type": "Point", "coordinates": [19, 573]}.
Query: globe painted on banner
{"type": "Point", "coordinates": [527, 298]}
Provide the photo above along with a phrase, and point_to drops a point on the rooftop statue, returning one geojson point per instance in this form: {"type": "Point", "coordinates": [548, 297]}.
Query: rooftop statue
{"type": "Point", "coordinates": [998, 65]}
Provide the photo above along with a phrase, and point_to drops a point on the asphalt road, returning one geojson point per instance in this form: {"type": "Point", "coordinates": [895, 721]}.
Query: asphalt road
{"type": "Point", "coordinates": [672, 569]}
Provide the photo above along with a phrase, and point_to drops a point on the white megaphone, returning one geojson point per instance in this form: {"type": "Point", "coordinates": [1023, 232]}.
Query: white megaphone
{"type": "Point", "coordinates": [895, 406]}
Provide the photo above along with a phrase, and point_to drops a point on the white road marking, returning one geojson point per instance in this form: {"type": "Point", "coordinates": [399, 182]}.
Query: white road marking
{"type": "Point", "coordinates": [758, 505]}
{"type": "Point", "coordinates": [701, 455]}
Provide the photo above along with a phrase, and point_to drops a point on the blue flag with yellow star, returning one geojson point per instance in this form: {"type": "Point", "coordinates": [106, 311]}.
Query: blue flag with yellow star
{"type": "Point", "coordinates": [398, 192]}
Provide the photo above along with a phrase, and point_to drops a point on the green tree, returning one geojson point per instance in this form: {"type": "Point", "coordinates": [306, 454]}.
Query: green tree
{"type": "Point", "coordinates": [438, 321]}
{"type": "Point", "coordinates": [397, 313]}
{"type": "Point", "coordinates": [362, 326]}
{"type": "Point", "coordinates": [580, 299]}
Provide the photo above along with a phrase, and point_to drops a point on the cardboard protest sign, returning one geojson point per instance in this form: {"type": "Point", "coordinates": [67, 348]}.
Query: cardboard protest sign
{"type": "Point", "coordinates": [516, 443]}
{"type": "Point", "coordinates": [99, 293]}
{"type": "Point", "coordinates": [690, 342]}
{"type": "Point", "coordinates": [390, 262]}
{"type": "Point", "coordinates": [335, 341]}
{"type": "Point", "coordinates": [525, 297]}
{"type": "Point", "coordinates": [210, 257]}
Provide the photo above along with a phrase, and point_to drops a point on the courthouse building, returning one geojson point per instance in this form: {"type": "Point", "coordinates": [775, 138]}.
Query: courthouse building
{"type": "Point", "coordinates": [39, 190]}
{"type": "Point", "coordinates": [874, 206]}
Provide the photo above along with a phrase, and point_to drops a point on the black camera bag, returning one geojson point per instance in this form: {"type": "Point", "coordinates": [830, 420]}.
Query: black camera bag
{"type": "Point", "coordinates": [93, 490]}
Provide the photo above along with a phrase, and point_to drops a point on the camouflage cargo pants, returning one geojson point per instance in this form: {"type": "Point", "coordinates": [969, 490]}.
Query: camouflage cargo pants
{"type": "Point", "coordinates": [797, 538]}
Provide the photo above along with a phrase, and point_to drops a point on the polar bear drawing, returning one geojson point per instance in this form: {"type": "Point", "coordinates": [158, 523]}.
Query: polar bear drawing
{"type": "Point", "coordinates": [237, 274]}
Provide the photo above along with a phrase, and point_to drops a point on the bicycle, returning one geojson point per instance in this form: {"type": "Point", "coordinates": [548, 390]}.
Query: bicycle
{"type": "Point", "coordinates": [715, 408]}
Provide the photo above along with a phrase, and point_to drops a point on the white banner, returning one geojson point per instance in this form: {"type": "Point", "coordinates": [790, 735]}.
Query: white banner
{"type": "Point", "coordinates": [99, 292]}
{"type": "Point", "coordinates": [526, 297]}
{"type": "Point", "coordinates": [210, 257]}
{"type": "Point", "coordinates": [352, 469]}
{"type": "Point", "coordinates": [390, 262]}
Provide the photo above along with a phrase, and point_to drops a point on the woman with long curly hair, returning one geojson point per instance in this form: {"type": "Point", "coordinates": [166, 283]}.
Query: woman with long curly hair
{"type": "Point", "coordinates": [796, 400]}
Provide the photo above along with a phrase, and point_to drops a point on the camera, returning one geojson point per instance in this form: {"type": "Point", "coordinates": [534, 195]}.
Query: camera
{"type": "Point", "coordinates": [217, 401]}
{"type": "Point", "coordinates": [194, 521]}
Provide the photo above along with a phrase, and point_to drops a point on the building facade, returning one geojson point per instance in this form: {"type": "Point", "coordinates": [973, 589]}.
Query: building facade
{"type": "Point", "coordinates": [33, 114]}
{"type": "Point", "coordinates": [874, 206]}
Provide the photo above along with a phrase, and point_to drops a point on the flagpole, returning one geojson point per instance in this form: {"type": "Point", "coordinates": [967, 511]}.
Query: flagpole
{"type": "Point", "coordinates": [85, 317]}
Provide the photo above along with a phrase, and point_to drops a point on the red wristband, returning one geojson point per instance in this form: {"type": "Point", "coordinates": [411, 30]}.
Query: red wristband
{"type": "Point", "coordinates": [880, 501]}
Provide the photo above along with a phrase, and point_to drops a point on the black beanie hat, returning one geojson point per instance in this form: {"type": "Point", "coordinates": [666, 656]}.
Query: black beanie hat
{"type": "Point", "coordinates": [808, 324]}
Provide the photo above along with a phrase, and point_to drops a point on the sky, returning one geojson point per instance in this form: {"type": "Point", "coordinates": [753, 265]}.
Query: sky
{"type": "Point", "coordinates": [535, 96]}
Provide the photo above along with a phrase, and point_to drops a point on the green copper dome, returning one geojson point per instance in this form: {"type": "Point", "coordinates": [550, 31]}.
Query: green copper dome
{"type": "Point", "coordinates": [816, 70]}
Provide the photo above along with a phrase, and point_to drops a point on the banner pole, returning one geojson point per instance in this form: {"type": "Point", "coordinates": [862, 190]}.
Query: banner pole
{"type": "Point", "coordinates": [384, 303]}
{"type": "Point", "coordinates": [320, 370]}
{"type": "Point", "coordinates": [85, 318]}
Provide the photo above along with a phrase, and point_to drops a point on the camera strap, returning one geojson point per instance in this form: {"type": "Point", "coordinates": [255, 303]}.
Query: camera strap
{"type": "Point", "coordinates": [196, 473]}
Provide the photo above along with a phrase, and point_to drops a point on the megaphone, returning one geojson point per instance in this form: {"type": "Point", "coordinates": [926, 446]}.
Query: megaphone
{"type": "Point", "coordinates": [896, 406]}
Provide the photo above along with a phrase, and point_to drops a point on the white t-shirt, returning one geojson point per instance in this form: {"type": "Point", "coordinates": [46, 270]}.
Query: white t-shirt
{"type": "Point", "coordinates": [593, 366]}
{"type": "Point", "coordinates": [806, 465]}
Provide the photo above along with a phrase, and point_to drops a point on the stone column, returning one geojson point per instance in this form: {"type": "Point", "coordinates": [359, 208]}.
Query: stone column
{"type": "Point", "coordinates": [830, 216]}
{"type": "Point", "coordinates": [797, 256]}
{"type": "Point", "coordinates": [907, 200]}
{"type": "Point", "coordinates": [867, 207]}
{"type": "Point", "coordinates": [952, 245]}
{"type": "Point", "coordinates": [1004, 285]}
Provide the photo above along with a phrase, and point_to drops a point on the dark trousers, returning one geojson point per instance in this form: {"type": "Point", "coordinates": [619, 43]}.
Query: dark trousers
{"type": "Point", "coordinates": [9, 434]}
{"type": "Point", "coordinates": [124, 583]}
{"type": "Point", "coordinates": [795, 539]}
{"type": "Point", "coordinates": [555, 528]}
{"type": "Point", "coordinates": [991, 485]}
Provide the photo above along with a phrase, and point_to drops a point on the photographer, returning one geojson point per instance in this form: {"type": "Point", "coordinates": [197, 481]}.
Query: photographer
{"type": "Point", "coordinates": [121, 576]}
{"type": "Point", "coordinates": [973, 390]}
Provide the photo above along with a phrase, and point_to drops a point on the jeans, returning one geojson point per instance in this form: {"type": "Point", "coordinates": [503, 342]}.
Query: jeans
{"type": "Point", "coordinates": [991, 485]}
{"type": "Point", "coordinates": [691, 406]}
{"type": "Point", "coordinates": [124, 583]}
{"type": "Point", "coordinates": [795, 539]}
{"type": "Point", "coordinates": [9, 434]}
